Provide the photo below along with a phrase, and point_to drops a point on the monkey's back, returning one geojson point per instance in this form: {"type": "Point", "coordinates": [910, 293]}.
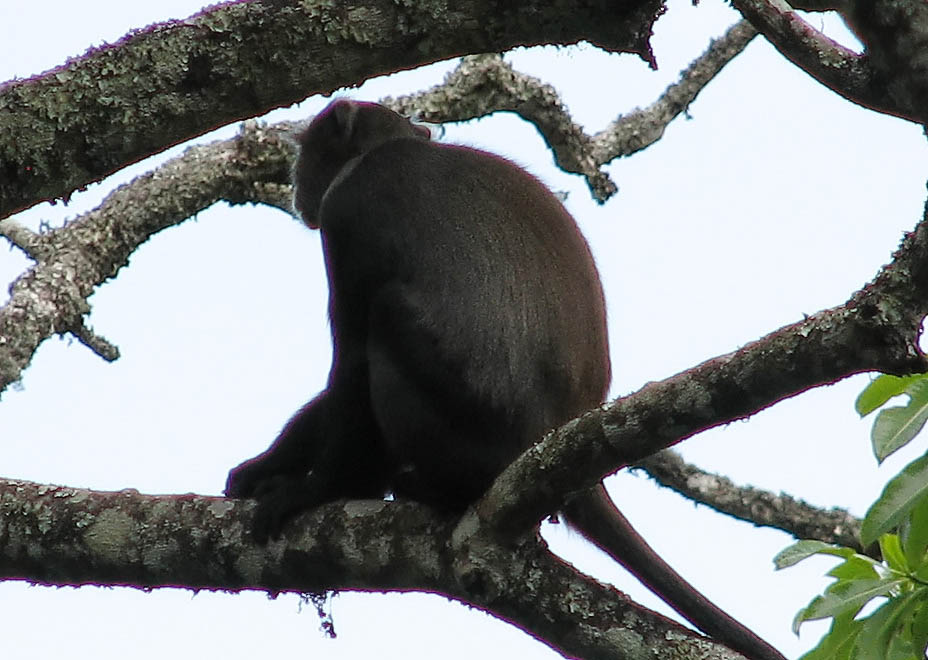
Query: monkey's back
{"type": "Point", "coordinates": [460, 254]}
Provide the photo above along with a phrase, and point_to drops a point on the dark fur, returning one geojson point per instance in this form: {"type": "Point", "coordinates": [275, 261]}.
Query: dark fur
{"type": "Point", "coordinates": [467, 319]}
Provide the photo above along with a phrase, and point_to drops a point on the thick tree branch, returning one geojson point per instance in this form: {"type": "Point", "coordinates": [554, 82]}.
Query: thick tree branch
{"type": "Point", "coordinates": [891, 78]}
{"type": "Point", "coordinates": [876, 330]}
{"type": "Point", "coordinates": [895, 33]}
{"type": "Point", "coordinates": [173, 81]}
{"type": "Point", "coordinates": [753, 505]}
{"type": "Point", "coordinates": [66, 536]}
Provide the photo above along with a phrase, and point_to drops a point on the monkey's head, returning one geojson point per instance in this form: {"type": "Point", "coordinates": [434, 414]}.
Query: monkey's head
{"type": "Point", "coordinates": [342, 132]}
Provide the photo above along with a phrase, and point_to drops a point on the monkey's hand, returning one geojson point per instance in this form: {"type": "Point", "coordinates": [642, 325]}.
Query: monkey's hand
{"type": "Point", "coordinates": [279, 497]}
{"type": "Point", "coordinates": [250, 479]}
{"type": "Point", "coordinates": [278, 504]}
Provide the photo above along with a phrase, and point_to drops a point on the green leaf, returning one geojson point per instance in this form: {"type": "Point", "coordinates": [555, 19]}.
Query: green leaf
{"type": "Point", "coordinates": [901, 649]}
{"type": "Point", "coordinates": [798, 620]}
{"type": "Point", "coordinates": [800, 550]}
{"type": "Point", "coordinates": [896, 427]}
{"type": "Point", "coordinates": [882, 627]}
{"type": "Point", "coordinates": [838, 641]}
{"type": "Point", "coordinates": [914, 536]}
{"type": "Point", "coordinates": [921, 574]}
{"type": "Point", "coordinates": [881, 389]}
{"type": "Point", "coordinates": [920, 626]}
{"type": "Point", "coordinates": [891, 549]}
{"type": "Point", "coordinates": [847, 597]}
{"type": "Point", "coordinates": [901, 495]}
{"type": "Point", "coordinates": [856, 567]}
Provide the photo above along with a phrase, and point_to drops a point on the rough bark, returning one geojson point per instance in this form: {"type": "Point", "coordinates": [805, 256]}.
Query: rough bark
{"type": "Point", "coordinates": [176, 80]}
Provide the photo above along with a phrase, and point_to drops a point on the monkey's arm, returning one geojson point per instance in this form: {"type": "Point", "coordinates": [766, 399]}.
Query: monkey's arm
{"type": "Point", "coordinates": [291, 456]}
{"type": "Point", "coordinates": [310, 462]}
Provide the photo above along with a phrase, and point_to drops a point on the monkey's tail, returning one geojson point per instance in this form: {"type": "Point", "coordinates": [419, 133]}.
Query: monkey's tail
{"type": "Point", "coordinates": [595, 516]}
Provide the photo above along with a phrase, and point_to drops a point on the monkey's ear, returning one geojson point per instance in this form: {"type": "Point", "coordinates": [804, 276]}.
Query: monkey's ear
{"type": "Point", "coordinates": [345, 113]}
{"type": "Point", "coordinates": [422, 130]}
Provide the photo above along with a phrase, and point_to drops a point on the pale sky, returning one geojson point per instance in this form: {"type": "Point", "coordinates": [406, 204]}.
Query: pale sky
{"type": "Point", "coordinates": [775, 199]}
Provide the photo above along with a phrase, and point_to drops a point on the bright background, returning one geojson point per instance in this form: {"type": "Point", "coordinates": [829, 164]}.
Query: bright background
{"type": "Point", "coordinates": [776, 199]}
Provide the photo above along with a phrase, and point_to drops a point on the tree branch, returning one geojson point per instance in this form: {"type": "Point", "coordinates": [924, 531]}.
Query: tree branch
{"type": "Point", "coordinates": [892, 78]}
{"type": "Point", "coordinates": [642, 128]}
{"type": "Point", "coordinates": [166, 84]}
{"type": "Point", "coordinates": [96, 343]}
{"type": "Point", "coordinates": [51, 297]}
{"type": "Point", "coordinates": [21, 237]}
{"type": "Point", "coordinates": [753, 505]}
{"type": "Point", "coordinates": [895, 33]}
{"type": "Point", "coordinates": [483, 84]}
{"type": "Point", "coordinates": [67, 536]}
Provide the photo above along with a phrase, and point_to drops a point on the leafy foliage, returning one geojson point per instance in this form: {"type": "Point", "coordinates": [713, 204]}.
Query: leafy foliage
{"type": "Point", "coordinates": [894, 591]}
{"type": "Point", "coordinates": [904, 494]}
{"type": "Point", "coordinates": [897, 629]}
{"type": "Point", "coordinates": [894, 427]}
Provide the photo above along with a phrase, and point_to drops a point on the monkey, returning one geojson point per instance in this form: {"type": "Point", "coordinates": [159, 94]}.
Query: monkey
{"type": "Point", "coordinates": [467, 319]}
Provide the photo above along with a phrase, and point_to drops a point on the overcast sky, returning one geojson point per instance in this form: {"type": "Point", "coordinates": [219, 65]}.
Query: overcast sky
{"type": "Point", "coordinates": [775, 199]}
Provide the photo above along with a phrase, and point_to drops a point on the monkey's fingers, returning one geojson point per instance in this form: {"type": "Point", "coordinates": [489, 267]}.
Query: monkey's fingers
{"type": "Point", "coordinates": [279, 501]}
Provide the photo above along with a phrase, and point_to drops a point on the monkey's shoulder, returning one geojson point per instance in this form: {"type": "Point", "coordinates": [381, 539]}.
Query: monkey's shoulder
{"type": "Point", "coordinates": [427, 154]}
{"type": "Point", "coordinates": [416, 169]}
